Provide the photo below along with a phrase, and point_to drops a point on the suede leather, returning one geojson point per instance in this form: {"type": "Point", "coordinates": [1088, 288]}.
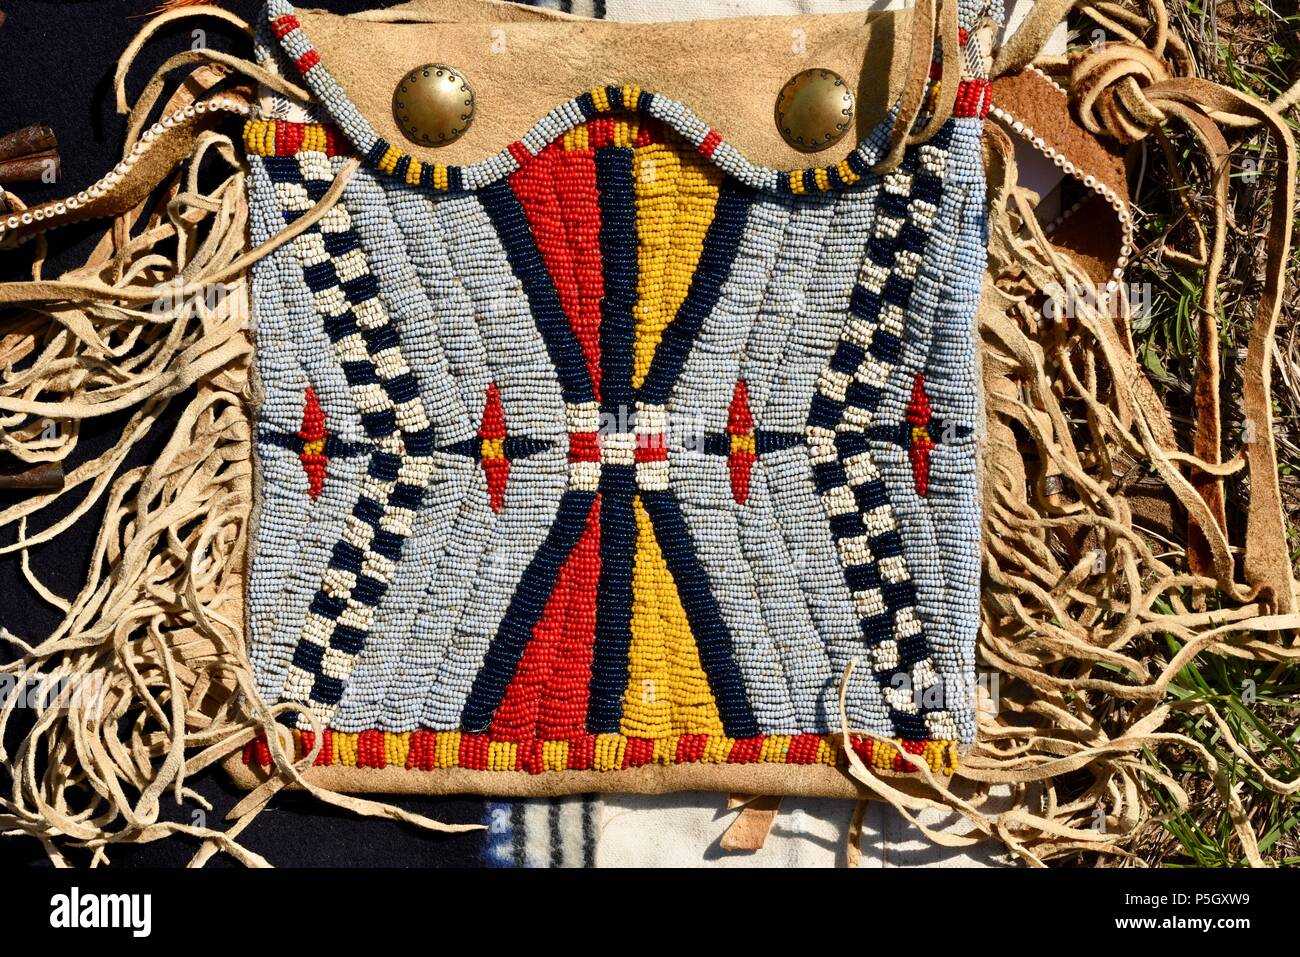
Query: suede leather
{"type": "Point", "coordinates": [728, 72]}
{"type": "Point", "coordinates": [1092, 232]}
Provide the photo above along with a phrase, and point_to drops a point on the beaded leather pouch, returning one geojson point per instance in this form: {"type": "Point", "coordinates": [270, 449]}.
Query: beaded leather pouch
{"type": "Point", "coordinates": [618, 444]}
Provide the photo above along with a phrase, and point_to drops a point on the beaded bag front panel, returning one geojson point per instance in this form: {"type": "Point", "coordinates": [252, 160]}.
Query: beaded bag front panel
{"type": "Point", "coordinates": [614, 449]}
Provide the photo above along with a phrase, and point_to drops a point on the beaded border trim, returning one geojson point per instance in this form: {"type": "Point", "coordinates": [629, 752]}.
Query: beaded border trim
{"type": "Point", "coordinates": [61, 207]}
{"type": "Point", "coordinates": [438, 750]}
{"type": "Point", "coordinates": [972, 99]}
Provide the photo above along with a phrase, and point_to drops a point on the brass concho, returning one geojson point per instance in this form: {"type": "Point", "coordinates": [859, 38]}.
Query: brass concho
{"type": "Point", "coordinates": [433, 104]}
{"type": "Point", "coordinates": [814, 109]}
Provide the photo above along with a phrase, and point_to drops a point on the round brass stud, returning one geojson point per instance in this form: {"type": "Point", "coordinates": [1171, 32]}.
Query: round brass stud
{"type": "Point", "coordinates": [433, 104]}
{"type": "Point", "coordinates": [814, 109]}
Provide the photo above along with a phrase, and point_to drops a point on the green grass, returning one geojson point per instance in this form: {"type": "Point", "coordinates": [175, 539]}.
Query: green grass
{"type": "Point", "coordinates": [1259, 703]}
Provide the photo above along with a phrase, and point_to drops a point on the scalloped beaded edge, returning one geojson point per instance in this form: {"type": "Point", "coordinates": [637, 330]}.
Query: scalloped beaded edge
{"type": "Point", "coordinates": [1116, 202]}
{"type": "Point", "coordinates": [56, 209]}
{"type": "Point", "coordinates": [973, 101]}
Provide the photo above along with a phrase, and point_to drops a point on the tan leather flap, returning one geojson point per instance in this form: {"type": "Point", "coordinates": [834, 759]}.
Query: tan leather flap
{"type": "Point", "coordinates": [461, 11]}
{"type": "Point", "coordinates": [728, 72]}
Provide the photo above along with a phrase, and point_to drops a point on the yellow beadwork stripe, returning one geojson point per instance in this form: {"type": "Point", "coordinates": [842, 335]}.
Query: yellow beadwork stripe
{"type": "Point", "coordinates": [555, 755]}
{"type": "Point", "coordinates": [774, 749]}
{"type": "Point", "coordinates": [388, 162]}
{"type": "Point", "coordinates": [822, 179]}
{"type": "Point", "coordinates": [744, 443]}
{"type": "Point", "coordinates": [446, 749]}
{"type": "Point", "coordinates": [795, 176]}
{"type": "Point", "coordinates": [717, 750]}
{"type": "Point", "coordinates": [576, 138]}
{"type": "Point", "coordinates": [625, 132]}
{"type": "Point", "coordinates": [847, 176]}
{"type": "Point", "coordinates": [396, 748]}
{"type": "Point", "coordinates": [609, 752]}
{"type": "Point", "coordinates": [667, 691]}
{"type": "Point", "coordinates": [439, 176]}
{"type": "Point", "coordinates": [936, 91]}
{"type": "Point", "coordinates": [345, 747]}
{"type": "Point", "coordinates": [313, 447]}
{"type": "Point", "coordinates": [676, 194]}
{"type": "Point", "coordinates": [600, 98]}
{"type": "Point", "coordinates": [255, 137]}
{"type": "Point", "coordinates": [502, 755]}
{"type": "Point", "coordinates": [493, 449]}
{"type": "Point", "coordinates": [313, 138]}
{"type": "Point", "coordinates": [413, 172]}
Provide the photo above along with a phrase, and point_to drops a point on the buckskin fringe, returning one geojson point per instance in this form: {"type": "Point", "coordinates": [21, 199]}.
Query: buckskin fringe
{"type": "Point", "coordinates": [148, 656]}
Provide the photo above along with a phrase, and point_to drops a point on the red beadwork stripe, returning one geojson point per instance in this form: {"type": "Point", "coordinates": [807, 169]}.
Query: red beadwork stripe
{"type": "Point", "coordinates": [803, 749]}
{"type": "Point", "coordinates": [920, 444]}
{"type": "Point", "coordinates": [972, 98]}
{"type": "Point", "coordinates": [474, 751]}
{"type": "Point", "coordinates": [370, 750]}
{"type": "Point", "coordinates": [546, 699]}
{"type": "Point", "coordinates": [584, 447]}
{"type": "Point", "coordinates": [493, 425]}
{"type": "Point", "coordinates": [493, 428]}
{"type": "Point", "coordinates": [690, 748]}
{"type": "Point", "coordinates": [582, 752]}
{"type": "Point", "coordinates": [653, 449]}
{"type": "Point", "coordinates": [497, 472]}
{"type": "Point", "coordinates": [600, 132]}
{"type": "Point", "coordinates": [580, 203]}
{"type": "Point", "coordinates": [283, 26]}
{"type": "Point", "coordinates": [315, 467]}
{"type": "Point", "coordinates": [288, 138]}
{"type": "Point", "coordinates": [650, 131]}
{"type": "Point", "coordinates": [710, 142]}
{"type": "Point", "coordinates": [740, 462]}
{"type": "Point", "coordinates": [307, 61]}
{"type": "Point", "coordinates": [313, 430]}
{"type": "Point", "coordinates": [528, 756]}
{"type": "Point", "coordinates": [638, 752]}
{"type": "Point", "coordinates": [746, 750]}
{"type": "Point", "coordinates": [520, 152]}
{"type": "Point", "coordinates": [557, 190]}
{"type": "Point", "coordinates": [421, 753]}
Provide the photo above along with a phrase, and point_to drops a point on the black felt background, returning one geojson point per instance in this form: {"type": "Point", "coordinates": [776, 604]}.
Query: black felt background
{"type": "Point", "coordinates": [56, 66]}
